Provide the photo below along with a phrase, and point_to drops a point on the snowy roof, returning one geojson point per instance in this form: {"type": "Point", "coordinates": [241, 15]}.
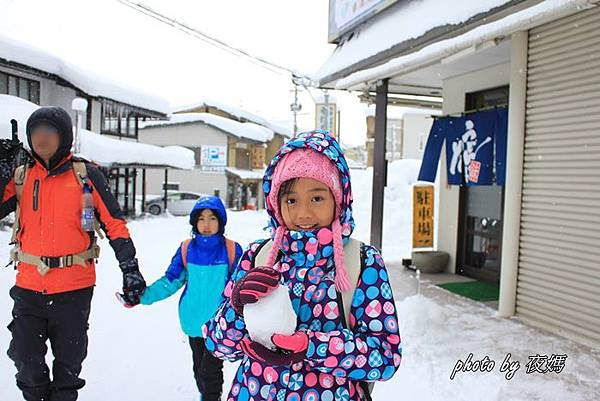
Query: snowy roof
{"type": "Point", "coordinates": [236, 112]}
{"type": "Point", "coordinates": [246, 130]}
{"type": "Point", "coordinates": [408, 20]}
{"type": "Point", "coordinates": [89, 82]}
{"type": "Point", "coordinates": [246, 174]}
{"type": "Point", "coordinates": [100, 149]}
{"type": "Point", "coordinates": [519, 21]}
{"type": "Point", "coordinates": [108, 151]}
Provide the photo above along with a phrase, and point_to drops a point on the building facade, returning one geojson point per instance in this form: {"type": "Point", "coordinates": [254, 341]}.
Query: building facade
{"type": "Point", "coordinates": [537, 233]}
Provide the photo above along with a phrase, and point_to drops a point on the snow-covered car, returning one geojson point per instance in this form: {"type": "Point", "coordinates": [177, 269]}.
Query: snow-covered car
{"type": "Point", "coordinates": [178, 203]}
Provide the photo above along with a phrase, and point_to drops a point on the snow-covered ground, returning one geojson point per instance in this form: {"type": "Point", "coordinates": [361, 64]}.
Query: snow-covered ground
{"type": "Point", "coordinates": [142, 355]}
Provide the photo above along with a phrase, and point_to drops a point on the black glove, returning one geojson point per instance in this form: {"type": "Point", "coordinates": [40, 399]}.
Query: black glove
{"type": "Point", "coordinates": [133, 281]}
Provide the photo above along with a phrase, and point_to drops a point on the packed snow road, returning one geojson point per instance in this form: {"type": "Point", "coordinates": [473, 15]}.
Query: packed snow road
{"type": "Point", "coordinates": [141, 354]}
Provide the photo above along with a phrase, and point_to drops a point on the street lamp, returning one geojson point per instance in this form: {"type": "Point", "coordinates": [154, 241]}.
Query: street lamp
{"type": "Point", "coordinates": [79, 105]}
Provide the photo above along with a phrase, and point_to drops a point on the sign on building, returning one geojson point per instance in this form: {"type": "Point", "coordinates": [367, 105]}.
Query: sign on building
{"type": "Point", "coordinates": [346, 14]}
{"type": "Point", "coordinates": [326, 116]}
{"type": "Point", "coordinates": [423, 216]}
{"type": "Point", "coordinates": [213, 158]}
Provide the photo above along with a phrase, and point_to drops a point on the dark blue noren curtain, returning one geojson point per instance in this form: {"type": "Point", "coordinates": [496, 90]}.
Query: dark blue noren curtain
{"type": "Point", "coordinates": [471, 142]}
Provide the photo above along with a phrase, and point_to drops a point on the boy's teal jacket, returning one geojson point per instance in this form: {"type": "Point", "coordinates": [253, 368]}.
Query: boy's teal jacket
{"type": "Point", "coordinates": [204, 278]}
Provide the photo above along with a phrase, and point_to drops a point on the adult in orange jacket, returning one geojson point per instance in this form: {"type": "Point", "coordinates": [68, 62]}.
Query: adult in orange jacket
{"type": "Point", "coordinates": [56, 271]}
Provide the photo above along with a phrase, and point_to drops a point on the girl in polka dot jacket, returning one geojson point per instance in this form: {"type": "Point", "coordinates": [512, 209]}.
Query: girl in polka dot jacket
{"type": "Point", "coordinates": [309, 201]}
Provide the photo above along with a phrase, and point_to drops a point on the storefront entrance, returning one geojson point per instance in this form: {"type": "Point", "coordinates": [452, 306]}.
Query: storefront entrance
{"type": "Point", "coordinates": [481, 211]}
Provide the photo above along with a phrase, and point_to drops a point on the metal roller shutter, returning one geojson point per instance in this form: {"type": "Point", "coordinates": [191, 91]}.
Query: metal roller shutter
{"type": "Point", "coordinates": [559, 258]}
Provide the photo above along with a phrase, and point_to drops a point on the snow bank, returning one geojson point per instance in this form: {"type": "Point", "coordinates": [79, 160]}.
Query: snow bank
{"type": "Point", "coordinates": [397, 210]}
{"type": "Point", "coordinates": [237, 112]}
{"type": "Point", "coordinates": [250, 131]}
{"type": "Point", "coordinates": [100, 149]}
{"type": "Point", "coordinates": [90, 82]}
{"type": "Point", "coordinates": [408, 20]}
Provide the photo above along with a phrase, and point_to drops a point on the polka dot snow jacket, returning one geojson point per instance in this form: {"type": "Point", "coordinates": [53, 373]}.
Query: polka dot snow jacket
{"type": "Point", "coordinates": [338, 357]}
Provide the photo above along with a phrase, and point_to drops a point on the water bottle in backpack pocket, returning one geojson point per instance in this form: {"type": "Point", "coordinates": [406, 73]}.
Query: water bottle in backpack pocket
{"type": "Point", "coordinates": [87, 210]}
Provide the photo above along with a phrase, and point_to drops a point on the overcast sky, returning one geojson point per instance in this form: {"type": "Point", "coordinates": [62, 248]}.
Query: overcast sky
{"type": "Point", "coordinates": [112, 39]}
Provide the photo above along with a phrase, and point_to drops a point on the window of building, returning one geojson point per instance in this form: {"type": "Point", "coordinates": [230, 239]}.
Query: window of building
{"type": "Point", "coordinates": [119, 120]}
{"type": "Point", "coordinates": [24, 88]}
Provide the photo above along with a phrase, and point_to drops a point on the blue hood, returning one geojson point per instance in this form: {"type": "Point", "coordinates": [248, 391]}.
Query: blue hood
{"type": "Point", "coordinates": [213, 203]}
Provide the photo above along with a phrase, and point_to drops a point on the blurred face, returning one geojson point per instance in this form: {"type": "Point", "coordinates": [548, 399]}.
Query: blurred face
{"type": "Point", "coordinates": [208, 224]}
{"type": "Point", "coordinates": [306, 205]}
{"type": "Point", "coordinates": [45, 141]}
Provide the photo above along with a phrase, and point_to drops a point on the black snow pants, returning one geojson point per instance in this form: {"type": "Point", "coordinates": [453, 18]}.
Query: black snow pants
{"type": "Point", "coordinates": [208, 371]}
{"type": "Point", "coordinates": [62, 319]}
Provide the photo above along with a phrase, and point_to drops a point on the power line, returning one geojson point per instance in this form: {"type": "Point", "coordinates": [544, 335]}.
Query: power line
{"type": "Point", "coordinates": [142, 8]}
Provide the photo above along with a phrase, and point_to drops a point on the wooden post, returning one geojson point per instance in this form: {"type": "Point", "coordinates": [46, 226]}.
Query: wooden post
{"type": "Point", "coordinates": [126, 192]}
{"type": "Point", "coordinates": [165, 188]}
{"type": "Point", "coordinates": [133, 203]}
{"type": "Point", "coordinates": [379, 164]}
{"type": "Point", "coordinates": [143, 190]}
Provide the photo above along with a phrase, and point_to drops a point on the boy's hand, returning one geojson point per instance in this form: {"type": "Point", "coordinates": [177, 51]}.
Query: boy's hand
{"type": "Point", "coordinates": [123, 301]}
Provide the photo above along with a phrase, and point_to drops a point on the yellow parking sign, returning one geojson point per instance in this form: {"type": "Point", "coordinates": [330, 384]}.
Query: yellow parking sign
{"type": "Point", "coordinates": [423, 216]}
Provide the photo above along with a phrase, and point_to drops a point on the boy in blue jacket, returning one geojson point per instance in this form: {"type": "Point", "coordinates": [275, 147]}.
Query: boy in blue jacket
{"type": "Point", "coordinates": [204, 265]}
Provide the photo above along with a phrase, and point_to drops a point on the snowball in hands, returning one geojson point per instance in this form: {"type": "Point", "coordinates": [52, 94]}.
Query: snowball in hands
{"type": "Point", "coordinates": [272, 314]}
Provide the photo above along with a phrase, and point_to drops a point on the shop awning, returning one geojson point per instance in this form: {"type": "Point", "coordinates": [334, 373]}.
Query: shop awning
{"type": "Point", "coordinates": [242, 174]}
{"type": "Point", "coordinates": [422, 71]}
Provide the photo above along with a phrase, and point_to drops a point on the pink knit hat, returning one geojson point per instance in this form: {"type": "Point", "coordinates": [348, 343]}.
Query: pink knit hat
{"type": "Point", "coordinates": [307, 163]}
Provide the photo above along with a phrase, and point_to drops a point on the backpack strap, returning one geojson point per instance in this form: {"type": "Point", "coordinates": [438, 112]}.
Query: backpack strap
{"type": "Point", "coordinates": [262, 253]}
{"type": "Point", "coordinates": [19, 179]}
{"type": "Point", "coordinates": [80, 170]}
{"type": "Point", "coordinates": [230, 245]}
{"type": "Point", "coordinates": [353, 263]}
{"type": "Point", "coordinates": [184, 249]}
{"type": "Point", "coordinates": [81, 175]}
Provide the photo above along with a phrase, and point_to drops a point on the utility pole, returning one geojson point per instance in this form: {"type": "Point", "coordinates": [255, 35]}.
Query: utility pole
{"type": "Point", "coordinates": [295, 108]}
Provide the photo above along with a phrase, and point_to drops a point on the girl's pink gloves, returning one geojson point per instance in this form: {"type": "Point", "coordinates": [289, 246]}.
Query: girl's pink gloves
{"type": "Point", "coordinates": [296, 343]}
{"type": "Point", "coordinates": [292, 349]}
{"type": "Point", "coordinates": [257, 283]}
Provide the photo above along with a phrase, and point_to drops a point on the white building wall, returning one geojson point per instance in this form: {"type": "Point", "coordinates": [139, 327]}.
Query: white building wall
{"type": "Point", "coordinates": [191, 136]}
{"type": "Point", "coordinates": [51, 94]}
{"type": "Point", "coordinates": [416, 130]}
{"type": "Point", "coordinates": [454, 91]}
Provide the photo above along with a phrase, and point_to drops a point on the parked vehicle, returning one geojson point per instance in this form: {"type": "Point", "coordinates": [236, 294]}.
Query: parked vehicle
{"type": "Point", "coordinates": [178, 203]}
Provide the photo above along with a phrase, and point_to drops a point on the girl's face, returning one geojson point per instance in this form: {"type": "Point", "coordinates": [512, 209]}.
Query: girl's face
{"type": "Point", "coordinates": [208, 224]}
{"type": "Point", "coordinates": [307, 205]}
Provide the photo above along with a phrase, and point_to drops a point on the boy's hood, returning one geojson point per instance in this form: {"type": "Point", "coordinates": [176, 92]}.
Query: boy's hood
{"type": "Point", "coordinates": [213, 203]}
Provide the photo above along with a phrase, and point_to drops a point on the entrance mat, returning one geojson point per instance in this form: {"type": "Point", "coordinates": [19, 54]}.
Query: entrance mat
{"type": "Point", "coordinates": [476, 290]}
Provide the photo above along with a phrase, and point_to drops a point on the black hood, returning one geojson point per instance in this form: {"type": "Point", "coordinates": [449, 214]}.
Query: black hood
{"type": "Point", "coordinates": [59, 118]}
